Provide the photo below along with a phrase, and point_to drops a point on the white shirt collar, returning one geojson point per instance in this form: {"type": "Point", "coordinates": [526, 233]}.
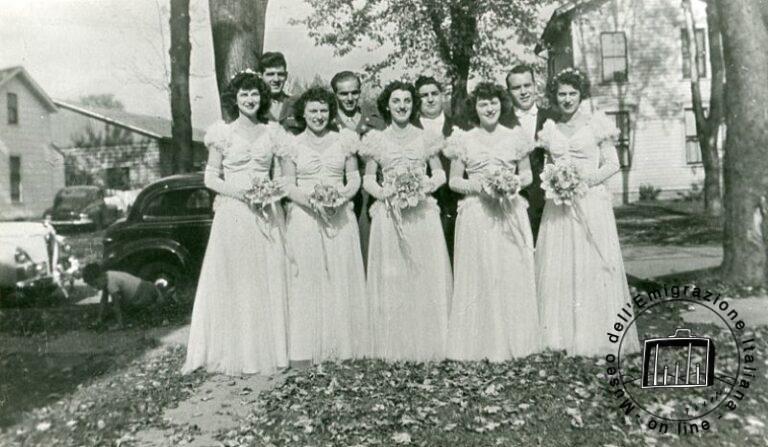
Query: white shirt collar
{"type": "Point", "coordinates": [533, 111]}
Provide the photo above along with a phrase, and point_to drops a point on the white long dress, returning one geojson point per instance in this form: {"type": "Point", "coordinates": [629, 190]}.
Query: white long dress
{"type": "Point", "coordinates": [409, 282]}
{"type": "Point", "coordinates": [327, 308]}
{"type": "Point", "coordinates": [494, 313]}
{"type": "Point", "coordinates": [238, 320]}
{"type": "Point", "coordinates": [579, 267]}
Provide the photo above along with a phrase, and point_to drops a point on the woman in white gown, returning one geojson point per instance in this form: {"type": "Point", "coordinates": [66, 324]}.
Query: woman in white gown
{"type": "Point", "coordinates": [580, 272]}
{"type": "Point", "coordinates": [409, 274]}
{"type": "Point", "coordinates": [327, 309]}
{"type": "Point", "coordinates": [238, 320]}
{"type": "Point", "coordinates": [494, 313]}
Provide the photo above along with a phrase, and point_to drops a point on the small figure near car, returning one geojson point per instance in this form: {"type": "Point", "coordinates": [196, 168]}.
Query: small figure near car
{"type": "Point", "coordinates": [128, 293]}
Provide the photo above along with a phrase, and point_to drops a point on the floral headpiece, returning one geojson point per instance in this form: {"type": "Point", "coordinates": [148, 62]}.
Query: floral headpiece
{"type": "Point", "coordinates": [570, 70]}
{"type": "Point", "coordinates": [249, 71]}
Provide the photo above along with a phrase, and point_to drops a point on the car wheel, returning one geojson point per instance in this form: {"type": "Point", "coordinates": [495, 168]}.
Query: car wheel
{"type": "Point", "coordinates": [162, 270]}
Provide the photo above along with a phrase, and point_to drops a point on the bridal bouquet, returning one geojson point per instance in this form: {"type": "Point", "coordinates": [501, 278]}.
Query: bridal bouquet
{"type": "Point", "coordinates": [325, 200]}
{"type": "Point", "coordinates": [404, 187]}
{"type": "Point", "coordinates": [562, 182]}
{"type": "Point", "coordinates": [263, 192]}
{"type": "Point", "coordinates": [502, 184]}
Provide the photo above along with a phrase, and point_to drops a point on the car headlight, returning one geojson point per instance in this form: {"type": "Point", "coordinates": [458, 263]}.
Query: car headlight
{"type": "Point", "coordinates": [21, 256]}
{"type": "Point", "coordinates": [83, 216]}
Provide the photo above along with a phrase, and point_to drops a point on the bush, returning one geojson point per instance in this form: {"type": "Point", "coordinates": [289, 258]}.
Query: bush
{"type": "Point", "coordinates": [695, 194]}
{"type": "Point", "coordinates": [649, 192]}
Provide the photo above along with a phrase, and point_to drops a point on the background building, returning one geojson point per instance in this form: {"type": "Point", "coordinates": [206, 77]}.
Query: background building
{"type": "Point", "coordinates": [31, 168]}
{"type": "Point", "coordinates": [636, 55]}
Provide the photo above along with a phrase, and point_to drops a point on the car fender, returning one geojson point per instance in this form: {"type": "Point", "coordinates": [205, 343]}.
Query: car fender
{"type": "Point", "coordinates": [120, 253]}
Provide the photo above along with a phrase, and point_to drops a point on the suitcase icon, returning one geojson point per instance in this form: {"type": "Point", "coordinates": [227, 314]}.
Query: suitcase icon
{"type": "Point", "coordinates": [681, 360]}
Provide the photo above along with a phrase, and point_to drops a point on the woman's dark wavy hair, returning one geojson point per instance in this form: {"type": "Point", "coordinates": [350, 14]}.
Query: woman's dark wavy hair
{"type": "Point", "coordinates": [317, 94]}
{"type": "Point", "coordinates": [247, 81]}
{"type": "Point", "coordinates": [382, 102]}
{"type": "Point", "coordinates": [570, 76]}
{"type": "Point", "coordinates": [484, 90]}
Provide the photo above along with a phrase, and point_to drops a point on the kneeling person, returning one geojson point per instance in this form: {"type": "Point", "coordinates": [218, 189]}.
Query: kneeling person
{"type": "Point", "coordinates": [128, 292]}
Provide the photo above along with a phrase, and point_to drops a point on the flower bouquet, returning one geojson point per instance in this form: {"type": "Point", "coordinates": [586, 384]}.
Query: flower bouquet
{"type": "Point", "coordinates": [404, 188]}
{"type": "Point", "coordinates": [263, 192]}
{"type": "Point", "coordinates": [325, 200]}
{"type": "Point", "coordinates": [502, 184]}
{"type": "Point", "coordinates": [562, 182]}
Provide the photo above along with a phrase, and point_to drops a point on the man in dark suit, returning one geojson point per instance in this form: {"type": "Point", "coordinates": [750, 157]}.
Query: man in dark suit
{"type": "Point", "coordinates": [436, 118]}
{"type": "Point", "coordinates": [346, 86]}
{"type": "Point", "coordinates": [274, 71]}
{"type": "Point", "coordinates": [522, 91]}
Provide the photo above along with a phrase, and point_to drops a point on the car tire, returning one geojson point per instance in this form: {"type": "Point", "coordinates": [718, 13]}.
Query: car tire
{"type": "Point", "coordinates": [162, 270]}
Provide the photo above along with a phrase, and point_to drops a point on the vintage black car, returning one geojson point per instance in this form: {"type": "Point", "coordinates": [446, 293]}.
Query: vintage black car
{"type": "Point", "coordinates": [165, 233]}
{"type": "Point", "coordinates": [81, 207]}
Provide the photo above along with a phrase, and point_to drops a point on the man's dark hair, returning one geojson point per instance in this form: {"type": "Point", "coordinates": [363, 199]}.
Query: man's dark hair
{"type": "Point", "coordinates": [343, 76]}
{"type": "Point", "coordinates": [272, 59]}
{"type": "Point", "coordinates": [520, 69]}
{"type": "Point", "coordinates": [421, 81]}
{"type": "Point", "coordinates": [91, 272]}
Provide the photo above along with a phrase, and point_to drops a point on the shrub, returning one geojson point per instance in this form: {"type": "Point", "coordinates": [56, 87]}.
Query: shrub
{"type": "Point", "coordinates": [695, 194]}
{"type": "Point", "coordinates": [649, 192]}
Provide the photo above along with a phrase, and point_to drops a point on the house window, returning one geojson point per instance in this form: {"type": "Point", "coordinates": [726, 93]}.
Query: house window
{"type": "Point", "coordinates": [623, 124]}
{"type": "Point", "coordinates": [13, 108]}
{"type": "Point", "coordinates": [692, 148]}
{"type": "Point", "coordinates": [119, 178]}
{"type": "Point", "coordinates": [614, 56]}
{"type": "Point", "coordinates": [15, 167]}
{"type": "Point", "coordinates": [701, 58]}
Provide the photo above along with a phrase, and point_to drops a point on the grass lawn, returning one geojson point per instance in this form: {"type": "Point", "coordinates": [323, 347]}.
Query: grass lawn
{"type": "Point", "coordinates": [667, 223]}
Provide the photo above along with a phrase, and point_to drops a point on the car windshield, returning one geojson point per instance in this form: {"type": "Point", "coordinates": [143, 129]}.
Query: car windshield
{"type": "Point", "coordinates": [75, 198]}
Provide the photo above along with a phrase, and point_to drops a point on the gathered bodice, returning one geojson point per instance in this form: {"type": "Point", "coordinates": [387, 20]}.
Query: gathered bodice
{"type": "Point", "coordinates": [319, 160]}
{"type": "Point", "coordinates": [242, 159]}
{"type": "Point", "coordinates": [483, 152]}
{"type": "Point", "coordinates": [583, 146]}
{"type": "Point", "coordinates": [392, 152]}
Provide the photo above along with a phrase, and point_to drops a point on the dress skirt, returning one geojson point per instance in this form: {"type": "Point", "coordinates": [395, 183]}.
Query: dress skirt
{"type": "Point", "coordinates": [494, 313]}
{"type": "Point", "coordinates": [239, 317]}
{"type": "Point", "coordinates": [409, 284]}
{"type": "Point", "coordinates": [328, 311]}
{"type": "Point", "coordinates": [580, 276]}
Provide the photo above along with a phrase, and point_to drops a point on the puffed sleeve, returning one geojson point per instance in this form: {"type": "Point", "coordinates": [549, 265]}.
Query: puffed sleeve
{"type": "Point", "coordinates": [371, 145]}
{"type": "Point", "coordinates": [349, 142]}
{"type": "Point", "coordinates": [434, 143]}
{"type": "Point", "coordinates": [456, 146]}
{"type": "Point", "coordinates": [216, 136]}
{"type": "Point", "coordinates": [282, 143]}
{"type": "Point", "coordinates": [604, 128]}
{"type": "Point", "coordinates": [522, 143]}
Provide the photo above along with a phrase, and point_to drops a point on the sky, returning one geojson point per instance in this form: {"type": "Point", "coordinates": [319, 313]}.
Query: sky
{"type": "Point", "coordinates": [74, 48]}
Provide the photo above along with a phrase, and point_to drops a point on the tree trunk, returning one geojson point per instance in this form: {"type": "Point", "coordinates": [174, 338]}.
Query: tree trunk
{"type": "Point", "coordinates": [181, 111]}
{"type": "Point", "coordinates": [707, 128]}
{"type": "Point", "coordinates": [238, 37]}
{"type": "Point", "coordinates": [745, 38]}
{"type": "Point", "coordinates": [713, 195]}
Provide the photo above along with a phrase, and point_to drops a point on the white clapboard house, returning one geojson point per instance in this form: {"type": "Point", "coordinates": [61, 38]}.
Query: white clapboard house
{"type": "Point", "coordinates": [636, 55]}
